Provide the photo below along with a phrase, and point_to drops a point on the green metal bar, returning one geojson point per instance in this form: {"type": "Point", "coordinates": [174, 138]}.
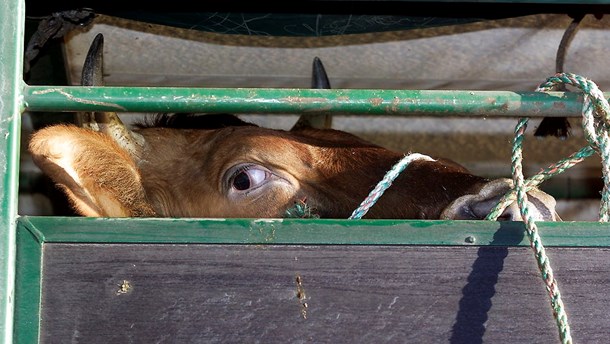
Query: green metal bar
{"type": "Point", "coordinates": [551, 2]}
{"type": "Point", "coordinates": [312, 232]}
{"type": "Point", "coordinates": [28, 284]}
{"type": "Point", "coordinates": [12, 27]}
{"type": "Point", "coordinates": [276, 101]}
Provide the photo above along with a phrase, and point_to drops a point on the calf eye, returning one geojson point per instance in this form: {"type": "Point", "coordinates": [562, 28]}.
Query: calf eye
{"type": "Point", "coordinates": [248, 177]}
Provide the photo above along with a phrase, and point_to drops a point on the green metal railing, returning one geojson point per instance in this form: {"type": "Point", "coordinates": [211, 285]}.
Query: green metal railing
{"type": "Point", "coordinates": [17, 97]}
{"type": "Point", "coordinates": [12, 23]}
{"type": "Point", "coordinates": [274, 101]}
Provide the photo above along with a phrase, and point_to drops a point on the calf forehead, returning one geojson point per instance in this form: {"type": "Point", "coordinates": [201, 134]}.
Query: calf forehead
{"type": "Point", "coordinates": [248, 138]}
{"type": "Point", "coordinates": [253, 143]}
{"type": "Point", "coordinates": [212, 151]}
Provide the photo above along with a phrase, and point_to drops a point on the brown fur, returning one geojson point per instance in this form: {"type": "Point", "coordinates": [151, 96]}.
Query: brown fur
{"type": "Point", "coordinates": [103, 183]}
{"type": "Point", "coordinates": [194, 166]}
{"type": "Point", "coordinates": [180, 173]}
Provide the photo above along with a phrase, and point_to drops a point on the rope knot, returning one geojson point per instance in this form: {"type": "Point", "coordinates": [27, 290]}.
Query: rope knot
{"type": "Point", "coordinates": [595, 112]}
{"type": "Point", "coordinates": [596, 125]}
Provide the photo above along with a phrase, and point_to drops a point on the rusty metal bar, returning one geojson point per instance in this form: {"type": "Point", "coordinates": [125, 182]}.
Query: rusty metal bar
{"type": "Point", "coordinates": [291, 101]}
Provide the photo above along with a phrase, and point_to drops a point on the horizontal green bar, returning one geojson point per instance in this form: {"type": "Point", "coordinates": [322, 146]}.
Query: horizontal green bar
{"type": "Point", "coordinates": [292, 101]}
{"type": "Point", "coordinates": [551, 2]}
{"type": "Point", "coordinates": [312, 232]}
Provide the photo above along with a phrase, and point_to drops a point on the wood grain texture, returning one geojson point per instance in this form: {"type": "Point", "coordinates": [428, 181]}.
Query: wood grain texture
{"type": "Point", "coordinates": [361, 294]}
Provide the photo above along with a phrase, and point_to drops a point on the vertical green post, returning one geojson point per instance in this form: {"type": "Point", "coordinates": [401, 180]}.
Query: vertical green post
{"type": "Point", "coordinates": [12, 26]}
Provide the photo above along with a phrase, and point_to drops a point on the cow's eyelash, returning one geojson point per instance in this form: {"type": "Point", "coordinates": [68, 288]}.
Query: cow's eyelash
{"type": "Point", "coordinates": [237, 171]}
{"type": "Point", "coordinates": [254, 181]}
{"type": "Point", "coordinates": [240, 169]}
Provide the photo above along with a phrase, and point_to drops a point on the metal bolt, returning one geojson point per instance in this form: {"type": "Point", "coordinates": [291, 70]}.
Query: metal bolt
{"type": "Point", "coordinates": [470, 239]}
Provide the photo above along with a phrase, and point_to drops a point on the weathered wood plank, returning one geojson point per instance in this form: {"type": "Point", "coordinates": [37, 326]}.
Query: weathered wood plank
{"type": "Point", "coordinates": [249, 293]}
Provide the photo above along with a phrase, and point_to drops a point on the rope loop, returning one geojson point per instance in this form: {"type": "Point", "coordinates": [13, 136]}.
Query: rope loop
{"type": "Point", "coordinates": [596, 125]}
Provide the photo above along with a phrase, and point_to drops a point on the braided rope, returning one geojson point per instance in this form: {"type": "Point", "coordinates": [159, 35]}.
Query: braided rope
{"type": "Point", "coordinates": [596, 124]}
{"type": "Point", "coordinates": [535, 242]}
{"type": "Point", "coordinates": [385, 183]}
{"type": "Point", "coordinates": [596, 132]}
{"type": "Point", "coordinates": [554, 169]}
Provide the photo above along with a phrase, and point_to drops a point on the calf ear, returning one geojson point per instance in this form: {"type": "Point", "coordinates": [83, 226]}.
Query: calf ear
{"type": "Point", "coordinates": [100, 178]}
{"type": "Point", "coordinates": [477, 206]}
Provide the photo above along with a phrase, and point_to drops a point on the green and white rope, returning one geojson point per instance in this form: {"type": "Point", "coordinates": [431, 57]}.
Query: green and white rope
{"type": "Point", "coordinates": [596, 121]}
{"type": "Point", "coordinates": [385, 183]}
{"type": "Point", "coordinates": [535, 242]}
{"type": "Point", "coordinates": [302, 210]}
{"type": "Point", "coordinates": [555, 169]}
{"type": "Point", "coordinates": [596, 125]}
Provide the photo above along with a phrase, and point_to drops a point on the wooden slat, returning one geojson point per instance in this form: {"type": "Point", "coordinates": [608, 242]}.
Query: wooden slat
{"type": "Point", "coordinates": [249, 293]}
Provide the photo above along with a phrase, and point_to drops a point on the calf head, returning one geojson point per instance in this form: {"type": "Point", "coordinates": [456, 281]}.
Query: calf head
{"type": "Point", "coordinates": [185, 165]}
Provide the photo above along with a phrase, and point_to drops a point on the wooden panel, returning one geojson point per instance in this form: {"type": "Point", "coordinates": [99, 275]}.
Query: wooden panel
{"type": "Point", "coordinates": [103, 293]}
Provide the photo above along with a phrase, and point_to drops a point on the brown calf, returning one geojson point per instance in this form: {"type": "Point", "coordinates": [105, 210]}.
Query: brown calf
{"type": "Point", "coordinates": [219, 166]}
